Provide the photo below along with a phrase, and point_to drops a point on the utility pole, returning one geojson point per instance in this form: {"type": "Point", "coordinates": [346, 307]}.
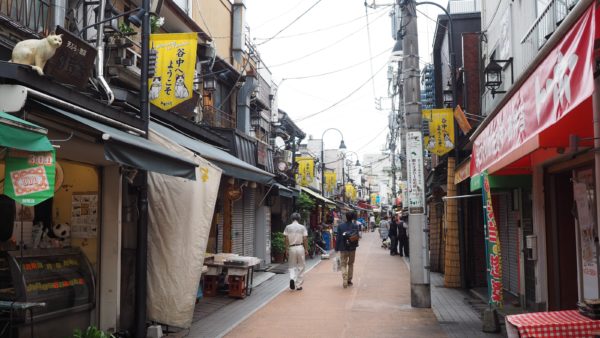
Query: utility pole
{"type": "Point", "coordinates": [420, 293]}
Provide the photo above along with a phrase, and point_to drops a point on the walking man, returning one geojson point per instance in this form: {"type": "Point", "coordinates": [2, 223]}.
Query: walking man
{"type": "Point", "coordinates": [296, 240]}
{"type": "Point", "coordinates": [347, 237]}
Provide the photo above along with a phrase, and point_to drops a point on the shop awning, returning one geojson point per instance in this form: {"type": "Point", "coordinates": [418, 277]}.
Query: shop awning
{"type": "Point", "coordinates": [284, 191]}
{"type": "Point", "coordinates": [553, 103]}
{"type": "Point", "coordinates": [135, 151]}
{"type": "Point", "coordinates": [231, 165]}
{"type": "Point", "coordinates": [23, 135]}
{"type": "Point", "coordinates": [318, 196]}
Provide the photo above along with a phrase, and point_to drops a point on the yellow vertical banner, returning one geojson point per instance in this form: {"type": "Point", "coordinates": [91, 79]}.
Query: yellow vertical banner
{"type": "Point", "coordinates": [306, 170]}
{"type": "Point", "coordinates": [441, 130]}
{"type": "Point", "coordinates": [330, 181]}
{"type": "Point", "coordinates": [173, 79]}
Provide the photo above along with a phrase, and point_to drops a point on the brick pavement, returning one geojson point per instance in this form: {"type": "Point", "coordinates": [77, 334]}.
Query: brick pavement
{"type": "Point", "coordinates": [378, 305]}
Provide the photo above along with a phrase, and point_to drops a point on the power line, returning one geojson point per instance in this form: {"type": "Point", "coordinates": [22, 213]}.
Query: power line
{"type": "Point", "coordinates": [344, 98]}
{"type": "Point", "coordinates": [291, 23]}
{"type": "Point", "coordinates": [322, 49]}
{"type": "Point", "coordinates": [373, 139]}
{"type": "Point", "coordinates": [316, 30]}
{"type": "Point", "coordinates": [387, 50]}
{"type": "Point", "coordinates": [370, 49]}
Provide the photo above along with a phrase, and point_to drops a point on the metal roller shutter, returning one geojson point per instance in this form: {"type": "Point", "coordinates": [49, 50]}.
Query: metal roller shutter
{"type": "Point", "coordinates": [237, 227]}
{"type": "Point", "coordinates": [219, 232]}
{"type": "Point", "coordinates": [508, 242]}
{"type": "Point", "coordinates": [249, 221]}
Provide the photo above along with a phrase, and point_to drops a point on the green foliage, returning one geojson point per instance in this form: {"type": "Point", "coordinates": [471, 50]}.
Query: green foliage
{"type": "Point", "coordinates": [126, 29]}
{"type": "Point", "coordinates": [304, 202]}
{"type": "Point", "coordinates": [278, 242]}
{"type": "Point", "coordinates": [91, 332]}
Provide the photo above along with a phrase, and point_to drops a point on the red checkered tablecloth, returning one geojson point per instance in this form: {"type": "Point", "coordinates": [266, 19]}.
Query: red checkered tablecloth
{"type": "Point", "coordinates": [554, 324]}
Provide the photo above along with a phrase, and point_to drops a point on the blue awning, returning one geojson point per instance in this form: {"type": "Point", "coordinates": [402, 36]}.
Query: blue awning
{"type": "Point", "coordinates": [231, 165]}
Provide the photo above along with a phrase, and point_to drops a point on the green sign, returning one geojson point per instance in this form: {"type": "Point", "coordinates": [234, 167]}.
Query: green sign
{"type": "Point", "coordinates": [29, 178]}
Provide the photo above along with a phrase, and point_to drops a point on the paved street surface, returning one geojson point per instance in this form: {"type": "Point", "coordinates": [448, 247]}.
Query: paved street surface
{"type": "Point", "coordinates": [378, 305]}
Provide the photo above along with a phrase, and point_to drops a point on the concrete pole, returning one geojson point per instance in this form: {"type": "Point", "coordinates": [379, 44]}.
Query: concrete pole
{"type": "Point", "coordinates": [420, 293]}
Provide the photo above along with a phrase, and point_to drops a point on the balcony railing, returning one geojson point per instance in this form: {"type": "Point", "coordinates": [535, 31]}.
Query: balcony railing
{"type": "Point", "coordinates": [541, 30]}
{"type": "Point", "coordinates": [35, 15]}
{"type": "Point", "coordinates": [214, 117]}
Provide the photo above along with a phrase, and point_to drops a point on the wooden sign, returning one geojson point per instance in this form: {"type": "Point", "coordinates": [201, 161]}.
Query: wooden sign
{"type": "Point", "coordinates": [73, 62]}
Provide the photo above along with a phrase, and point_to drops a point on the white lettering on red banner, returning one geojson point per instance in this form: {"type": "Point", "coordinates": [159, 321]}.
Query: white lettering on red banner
{"type": "Point", "coordinates": [558, 85]}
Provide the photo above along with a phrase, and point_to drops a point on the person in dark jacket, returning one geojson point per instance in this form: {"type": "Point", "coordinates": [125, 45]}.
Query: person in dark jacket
{"type": "Point", "coordinates": [347, 252]}
{"type": "Point", "coordinates": [403, 236]}
{"type": "Point", "coordinates": [393, 235]}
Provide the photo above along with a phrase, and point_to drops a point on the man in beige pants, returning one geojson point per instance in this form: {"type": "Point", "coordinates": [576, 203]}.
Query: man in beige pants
{"type": "Point", "coordinates": [296, 240]}
{"type": "Point", "coordinates": [347, 249]}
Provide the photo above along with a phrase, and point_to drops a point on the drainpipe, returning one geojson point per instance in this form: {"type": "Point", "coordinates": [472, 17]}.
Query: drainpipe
{"type": "Point", "coordinates": [100, 60]}
{"type": "Point", "coordinates": [243, 104]}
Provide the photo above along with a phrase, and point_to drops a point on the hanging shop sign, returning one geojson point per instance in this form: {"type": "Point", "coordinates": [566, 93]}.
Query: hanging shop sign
{"type": "Point", "coordinates": [350, 191]}
{"type": "Point", "coordinates": [29, 176]}
{"type": "Point", "coordinates": [559, 84]}
{"type": "Point", "coordinates": [330, 181]}
{"type": "Point", "coordinates": [492, 247]}
{"type": "Point", "coordinates": [441, 130]}
{"type": "Point", "coordinates": [173, 79]}
{"type": "Point", "coordinates": [306, 170]}
{"type": "Point", "coordinates": [461, 120]}
{"type": "Point", "coordinates": [73, 62]}
{"type": "Point", "coordinates": [414, 157]}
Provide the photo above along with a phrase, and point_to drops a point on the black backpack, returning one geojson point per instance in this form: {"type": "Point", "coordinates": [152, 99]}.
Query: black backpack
{"type": "Point", "coordinates": [351, 238]}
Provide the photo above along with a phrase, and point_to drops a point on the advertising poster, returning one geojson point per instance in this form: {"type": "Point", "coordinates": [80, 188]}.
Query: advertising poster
{"type": "Point", "coordinates": [84, 215]}
{"type": "Point", "coordinates": [441, 130]}
{"type": "Point", "coordinates": [173, 79]}
{"type": "Point", "coordinates": [29, 178]}
{"type": "Point", "coordinates": [492, 248]}
{"type": "Point", "coordinates": [414, 157]}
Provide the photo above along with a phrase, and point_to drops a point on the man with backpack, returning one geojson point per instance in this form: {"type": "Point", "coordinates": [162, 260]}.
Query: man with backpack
{"type": "Point", "coordinates": [347, 237]}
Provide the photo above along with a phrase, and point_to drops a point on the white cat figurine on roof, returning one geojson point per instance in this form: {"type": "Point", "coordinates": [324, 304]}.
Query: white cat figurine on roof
{"type": "Point", "coordinates": [35, 52]}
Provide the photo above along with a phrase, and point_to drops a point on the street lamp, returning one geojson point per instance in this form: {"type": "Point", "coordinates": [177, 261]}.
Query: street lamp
{"type": "Point", "coordinates": [341, 147]}
{"type": "Point", "coordinates": [493, 75]}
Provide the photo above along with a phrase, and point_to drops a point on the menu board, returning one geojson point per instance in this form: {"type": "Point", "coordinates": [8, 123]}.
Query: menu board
{"type": "Point", "coordinates": [84, 215]}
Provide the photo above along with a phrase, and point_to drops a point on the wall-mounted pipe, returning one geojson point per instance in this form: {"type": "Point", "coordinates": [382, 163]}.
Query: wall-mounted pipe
{"type": "Point", "coordinates": [100, 59]}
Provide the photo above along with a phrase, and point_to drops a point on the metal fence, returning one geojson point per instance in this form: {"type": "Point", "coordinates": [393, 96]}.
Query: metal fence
{"type": "Point", "coordinates": [36, 15]}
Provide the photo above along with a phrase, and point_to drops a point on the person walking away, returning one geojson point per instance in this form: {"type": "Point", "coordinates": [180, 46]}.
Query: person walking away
{"type": "Point", "coordinates": [347, 238]}
{"type": "Point", "coordinates": [393, 235]}
{"type": "Point", "coordinates": [403, 236]}
{"type": "Point", "coordinates": [296, 240]}
{"type": "Point", "coordinates": [372, 221]}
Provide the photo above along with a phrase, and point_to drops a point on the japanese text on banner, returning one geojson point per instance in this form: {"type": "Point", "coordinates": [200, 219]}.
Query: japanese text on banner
{"type": "Point", "coordinates": [175, 66]}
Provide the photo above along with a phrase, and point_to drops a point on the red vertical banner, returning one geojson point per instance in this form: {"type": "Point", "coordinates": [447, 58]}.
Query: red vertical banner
{"type": "Point", "coordinates": [492, 248]}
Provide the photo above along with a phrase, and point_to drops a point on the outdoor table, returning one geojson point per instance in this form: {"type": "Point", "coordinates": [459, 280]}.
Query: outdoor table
{"type": "Point", "coordinates": [246, 269]}
{"type": "Point", "coordinates": [568, 323]}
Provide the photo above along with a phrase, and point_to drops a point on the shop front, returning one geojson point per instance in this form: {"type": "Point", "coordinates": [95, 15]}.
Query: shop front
{"type": "Point", "coordinates": [65, 251]}
{"type": "Point", "coordinates": [544, 131]}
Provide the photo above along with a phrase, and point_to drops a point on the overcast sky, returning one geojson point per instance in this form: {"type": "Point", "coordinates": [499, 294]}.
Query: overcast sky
{"type": "Point", "coordinates": [331, 39]}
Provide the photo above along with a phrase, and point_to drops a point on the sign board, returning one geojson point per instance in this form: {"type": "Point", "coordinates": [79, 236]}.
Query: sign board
{"type": "Point", "coordinates": [73, 62]}
{"type": "Point", "coordinates": [560, 83]}
{"type": "Point", "coordinates": [29, 176]}
{"type": "Point", "coordinates": [173, 80]}
{"type": "Point", "coordinates": [492, 246]}
{"type": "Point", "coordinates": [461, 120]}
{"type": "Point", "coordinates": [441, 130]}
{"type": "Point", "coordinates": [261, 153]}
{"type": "Point", "coordinates": [415, 188]}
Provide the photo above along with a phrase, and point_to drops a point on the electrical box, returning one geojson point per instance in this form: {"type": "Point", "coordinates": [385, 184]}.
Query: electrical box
{"type": "Point", "coordinates": [531, 247]}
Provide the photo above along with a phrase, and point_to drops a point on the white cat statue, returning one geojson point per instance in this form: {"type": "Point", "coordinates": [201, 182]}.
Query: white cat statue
{"type": "Point", "coordinates": [35, 52]}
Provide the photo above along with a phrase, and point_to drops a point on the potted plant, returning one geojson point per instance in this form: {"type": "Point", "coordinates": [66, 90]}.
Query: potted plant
{"type": "Point", "coordinates": [91, 332]}
{"type": "Point", "coordinates": [278, 247]}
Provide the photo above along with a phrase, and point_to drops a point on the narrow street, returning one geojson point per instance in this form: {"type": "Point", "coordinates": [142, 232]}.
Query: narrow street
{"type": "Point", "coordinates": [378, 305]}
